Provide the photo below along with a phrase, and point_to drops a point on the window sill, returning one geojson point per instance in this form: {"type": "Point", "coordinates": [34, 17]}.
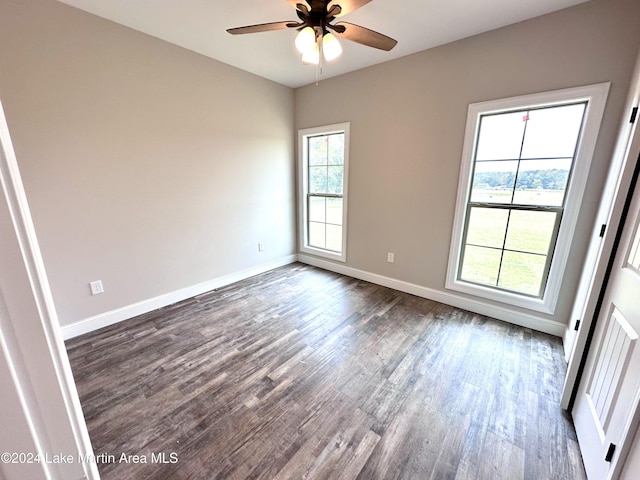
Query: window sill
{"type": "Point", "coordinates": [488, 293]}
{"type": "Point", "coordinates": [318, 252]}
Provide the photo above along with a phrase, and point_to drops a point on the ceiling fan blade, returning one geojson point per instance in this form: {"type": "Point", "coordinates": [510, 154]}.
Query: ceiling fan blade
{"type": "Point", "coordinates": [262, 27]}
{"type": "Point", "coordinates": [347, 5]}
{"type": "Point", "coordinates": [334, 11]}
{"type": "Point", "coordinates": [294, 3]}
{"type": "Point", "coordinates": [362, 35]}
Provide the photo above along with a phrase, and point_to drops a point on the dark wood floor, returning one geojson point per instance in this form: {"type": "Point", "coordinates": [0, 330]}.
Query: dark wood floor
{"type": "Point", "coordinates": [303, 374]}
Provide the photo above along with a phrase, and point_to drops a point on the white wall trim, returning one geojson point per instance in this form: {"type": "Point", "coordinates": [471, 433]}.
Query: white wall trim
{"type": "Point", "coordinates": [14, 368]}
{"type": "Point", "coordinates": [567, 341]}
{"type": "Point", "coordinates": [623, 160]}
{"type": "Point", "coordinates": [477, 306]}
{"type": "Point", "coordinates": [302, 161]}
{"type": "Point", "coordinates": [124, 313]}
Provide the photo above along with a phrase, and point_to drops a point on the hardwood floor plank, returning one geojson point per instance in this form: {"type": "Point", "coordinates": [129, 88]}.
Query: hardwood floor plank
{"type": "Point", "coordinates": [352, 465]}
{"type": "Point", "coordinates": [501, 460]}
{"type": "Point", "coordinates": [300, 373]}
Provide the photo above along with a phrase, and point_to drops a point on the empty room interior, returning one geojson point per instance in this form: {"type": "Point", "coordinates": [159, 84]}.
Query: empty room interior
{"type": "Point", "coordinates": [221, 262]}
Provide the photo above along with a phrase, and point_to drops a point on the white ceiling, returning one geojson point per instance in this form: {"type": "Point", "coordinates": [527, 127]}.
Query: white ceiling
{"type": "Point", "coordinates": [200, 25]}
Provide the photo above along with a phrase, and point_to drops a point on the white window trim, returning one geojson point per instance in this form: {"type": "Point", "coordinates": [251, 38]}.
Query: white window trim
{"type": "Point", "coordinates": [596, 96]}
{"type": "Point", "coordinates": [302, 189]}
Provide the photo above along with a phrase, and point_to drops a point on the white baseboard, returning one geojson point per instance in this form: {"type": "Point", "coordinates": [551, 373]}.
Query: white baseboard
{"type": "Point", "coordinates": [473, 305]}
{"type": "Point", "coordinates": [118, 315]}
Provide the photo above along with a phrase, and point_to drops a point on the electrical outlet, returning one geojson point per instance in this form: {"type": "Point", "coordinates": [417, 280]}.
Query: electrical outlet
{"type": "Point", "coordinates": [261, 247]}
{"type": "Point", "coordinates": [96, 287]}
{"type": "Point", "coordinates": [391, 257]}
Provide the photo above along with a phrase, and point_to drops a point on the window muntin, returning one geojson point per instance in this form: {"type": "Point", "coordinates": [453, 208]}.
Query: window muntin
{"type": "Point", "coordinates": [510, 185]}
{"type": "Point", "coordinates": [324, 155]}
{"type": "Point", "coordinates": [520, 174]}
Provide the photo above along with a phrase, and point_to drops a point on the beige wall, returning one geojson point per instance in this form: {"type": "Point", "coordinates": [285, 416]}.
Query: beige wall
{"type": "Point", "coordinates": [408, 118]}
{"type": "Point", "coordinates": [146, 166]}
{"type": "Point", "coordinates": [154, 169]}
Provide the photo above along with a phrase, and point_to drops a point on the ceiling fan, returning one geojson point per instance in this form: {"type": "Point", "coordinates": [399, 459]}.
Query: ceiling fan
{"type": "Point", "coordinates": [317, 34]}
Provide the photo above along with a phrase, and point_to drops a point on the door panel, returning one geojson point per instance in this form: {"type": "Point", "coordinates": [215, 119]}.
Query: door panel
{"type": "Point", "coordinates": [618, 343]}
{"type": "Point", "coordinates": [610, 388]}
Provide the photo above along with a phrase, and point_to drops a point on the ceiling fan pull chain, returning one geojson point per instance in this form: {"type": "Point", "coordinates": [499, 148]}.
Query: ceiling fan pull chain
{"type": "Point", "coordinates": [319, 64]}
{"type": "Point", "coordinates": [321, 51]}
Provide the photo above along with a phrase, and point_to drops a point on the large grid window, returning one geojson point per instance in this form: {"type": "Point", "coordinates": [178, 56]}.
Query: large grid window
{"type": "Point", "coordinates": [524, 171]}
{"type": "Point", "coordinates": [323, 169]}
{"type": "Point", "coordinates": [521, 170]}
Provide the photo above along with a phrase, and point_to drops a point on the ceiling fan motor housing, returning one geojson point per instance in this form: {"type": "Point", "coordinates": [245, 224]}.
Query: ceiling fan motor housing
{"type": "Point", "coordinates": [318, 16]}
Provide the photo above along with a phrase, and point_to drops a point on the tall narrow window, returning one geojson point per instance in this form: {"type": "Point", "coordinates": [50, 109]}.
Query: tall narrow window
{"type": "Point", "coordinates": [323, 189]}
{"type": "Point", "coordinates": [522, 179]}
{"type": "Point", "coordinates": [521, 171]}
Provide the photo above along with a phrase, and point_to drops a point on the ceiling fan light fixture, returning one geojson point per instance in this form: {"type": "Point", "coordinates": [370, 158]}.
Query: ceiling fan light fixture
{"type": "Point", "coordinates": [305, 40]}
{"type": "Point", "coordinates": [312, 56]}
{"type": "Point", "coordinates": [331, 47]}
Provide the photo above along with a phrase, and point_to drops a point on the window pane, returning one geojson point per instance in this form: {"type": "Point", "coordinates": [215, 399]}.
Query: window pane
{"type": "Point", "coordinates": [318, 150]}
{"type": "Point", "coordinates": [487, 227]}
{"type": "Point", "coordinates": [323, 164]}
{"type": "Point", "coordinates": [318, 180]}
{"type": "Point", "coordinates": [336, 149]}
{"type": "Point", "coordinates": [317, 235]}
{"type": "Point", "coordinates": [335, 175]}
{"type": "Point", "coordinates": [500, 136]}
{"type": "Point", "coordinates": [481, 265]}
{"type": "Point", "coordinates": [493, 181]}
{"type": "Point", "coordinates": [317, 209]}
{"type": "Point", "coordinates": [529, 156]}
{"type": "Point", "coordinates": [334, 238]}
{"type": "Point", "coordinates": [530, 231]}
{"type": "Point", "coordinates": [326, 176]}
{"type": "Point", "coordinates": [334, 211]}
{"type": "Point", "coordinates": [542, 182]}
{"type": "Point", "coordinates": [522, 272]}
{"type": "Point", "coordinates": [553, 132]}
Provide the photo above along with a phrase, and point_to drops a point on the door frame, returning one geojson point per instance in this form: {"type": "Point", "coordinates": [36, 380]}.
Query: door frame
{"type": "Point", "coordinates": [619, 190]}
{"type": "Point", "coordinates": [633, 421]}
{"type": "Point", "coordinates": [44, 412]}
{"type": "Point", "coordinates": [601, 248]}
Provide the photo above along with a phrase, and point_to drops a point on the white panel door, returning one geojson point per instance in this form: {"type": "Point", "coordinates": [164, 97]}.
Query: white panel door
{"type": "Point", "coordinates": [610, 387]}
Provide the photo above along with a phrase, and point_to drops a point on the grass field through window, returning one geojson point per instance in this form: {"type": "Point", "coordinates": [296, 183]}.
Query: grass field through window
{"type": "Point", "coordinates": [521, 196]}
{"type": "Point", "coordinates": [508, 248]}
